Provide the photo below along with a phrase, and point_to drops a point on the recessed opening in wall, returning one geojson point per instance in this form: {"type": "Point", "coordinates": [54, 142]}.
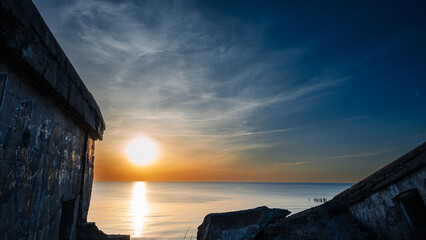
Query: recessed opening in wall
{"type": "Point", "coordinates": [67, 217]}
{"type": "Point", "coordinates": [414, 209]}
{"type": "Point", "coordinates": [3, 78]}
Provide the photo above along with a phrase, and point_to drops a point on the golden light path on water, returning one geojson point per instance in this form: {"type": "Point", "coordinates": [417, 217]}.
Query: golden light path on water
{"type": "Point", "coordinates": [166, 210]}
{"type": "Point", "coordinates": [139, 208]}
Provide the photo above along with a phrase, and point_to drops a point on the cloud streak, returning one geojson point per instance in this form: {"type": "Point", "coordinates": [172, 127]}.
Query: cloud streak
{"type": "Point", "coordinates": [163, 69]}
{"type": "Point", "coordinates": [161, 64]}
{"type": "Point", "coordinates": [359, 155]}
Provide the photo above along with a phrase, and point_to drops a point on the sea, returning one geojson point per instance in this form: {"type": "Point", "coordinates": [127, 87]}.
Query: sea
{"type": "Point", "coordinates": [174, 210]}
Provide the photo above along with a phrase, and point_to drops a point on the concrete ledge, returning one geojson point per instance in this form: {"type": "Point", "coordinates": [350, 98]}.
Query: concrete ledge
{"type": "Point", "coordinates": [26, 44]}
{"type": "Point", "coordinates": [403, 166]}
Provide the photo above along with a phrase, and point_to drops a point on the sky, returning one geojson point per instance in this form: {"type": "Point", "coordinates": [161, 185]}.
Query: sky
{"type": "Point", "coordinates": [292, 91]}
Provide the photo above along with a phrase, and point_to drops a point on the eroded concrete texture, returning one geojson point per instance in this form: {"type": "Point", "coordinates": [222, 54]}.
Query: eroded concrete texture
{"type": "Point", "coordinates": [388, 204]}
{"type": "Point", "coordinates": [49, 123]}
{"type": "Point", "coordinates": [45, 160]}
{"type": "Point", "coordinates": [385, 214]}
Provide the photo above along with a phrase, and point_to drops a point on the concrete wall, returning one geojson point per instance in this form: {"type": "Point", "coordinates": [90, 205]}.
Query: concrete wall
{"type": "Point", "coordinates": [44, 157]}
{"type": "Point", "coordinates": [388, 204]}
{"type": "Point", "coordinates": [86, 189]}
{"type": "Point", "coordinates": [382, 212]}
{"type": "Point", "coordinates": [28, 46]}
{"type": "Point", "coordinates": [49, 122]}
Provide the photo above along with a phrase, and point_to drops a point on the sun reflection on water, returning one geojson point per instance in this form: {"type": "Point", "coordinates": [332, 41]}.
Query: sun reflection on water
{"type": "Point", "coordinates": [139, 208]}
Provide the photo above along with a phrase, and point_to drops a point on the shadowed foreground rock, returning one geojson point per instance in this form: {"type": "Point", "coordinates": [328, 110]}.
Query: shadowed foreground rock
{"type": "Point", "coordinates": [238, 225]}
{"type": "Point", "coordinates": [89, 231]}
{"type": "Point", "coordinates": [388, 204]}
{"type": "Point", "coordinates": [328, 221]}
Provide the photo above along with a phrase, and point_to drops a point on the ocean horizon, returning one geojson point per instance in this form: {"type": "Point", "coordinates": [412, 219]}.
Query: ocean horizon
{"type": "Point", "coordinates": [172, 210]}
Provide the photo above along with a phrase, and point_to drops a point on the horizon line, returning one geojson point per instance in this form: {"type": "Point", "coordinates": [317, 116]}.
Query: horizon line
{"type": "Point", "coordinates": [228, 182]}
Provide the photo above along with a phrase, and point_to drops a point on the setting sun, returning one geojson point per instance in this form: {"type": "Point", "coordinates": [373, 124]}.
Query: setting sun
{"type": "Point", "coordinates": [142, 151]}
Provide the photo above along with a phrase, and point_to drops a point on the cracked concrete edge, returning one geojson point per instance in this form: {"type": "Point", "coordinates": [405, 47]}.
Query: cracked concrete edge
{"type": "Point", "coordinates": [27, 44]}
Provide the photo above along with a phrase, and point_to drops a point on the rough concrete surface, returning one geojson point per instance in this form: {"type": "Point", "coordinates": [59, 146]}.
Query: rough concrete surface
{"type": "Point", "coordinates": [49, 123]}
{"type": "Point", "coordinates": [238, 225]}
{"type": "Point", "coordinates": [389, 204]}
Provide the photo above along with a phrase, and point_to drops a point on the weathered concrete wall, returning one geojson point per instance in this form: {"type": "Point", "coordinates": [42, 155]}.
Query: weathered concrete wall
{"type": "Point", "coordinates": [382, 212]}
{"type": "Point", "coordinates": [48, 126]}
{"type": "Point", "coordinates": [331, 220]}
{"type": "Point", "coordinates": [388, 204]}
{"type": "Point", "coordinates": [41, 163]}
{"type": "Point", "coordinates": [29, 47]}
{"type": "Point", "coordinates": [375, 200]}
{"type": "Point", "coordinates": [86, 189]}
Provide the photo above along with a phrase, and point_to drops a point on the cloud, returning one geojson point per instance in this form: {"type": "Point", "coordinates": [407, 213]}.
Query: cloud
{"type": "Point", "coordinates": [291, 164]}
{"type": "Point", "coordinates": [359, 155]}
{"type": "Point", "coordinates": [163, 69]}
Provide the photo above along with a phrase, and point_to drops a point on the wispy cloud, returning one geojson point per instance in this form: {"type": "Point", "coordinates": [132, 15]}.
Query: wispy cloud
{"type": "Point", "coordinates": [359, 155]}
{"type": "Point", "coordinates": [287, 164]}
{"type": "Point", "coordinates": [162, 68]}
{"type": "Point", "coordinates": [224, 85]}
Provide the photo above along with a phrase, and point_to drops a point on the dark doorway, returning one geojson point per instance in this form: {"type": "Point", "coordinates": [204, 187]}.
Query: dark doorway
{"type": "Point", "coordinates": [67, 217]}
{"type": "Point", "coordinates": [415, 212]}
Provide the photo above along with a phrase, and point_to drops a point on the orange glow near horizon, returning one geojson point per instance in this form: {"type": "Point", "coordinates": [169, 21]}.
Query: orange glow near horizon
{"type": "Point", "coordinates": [198, 159]}
{"type": "Point", "coordinates": [221, 97]}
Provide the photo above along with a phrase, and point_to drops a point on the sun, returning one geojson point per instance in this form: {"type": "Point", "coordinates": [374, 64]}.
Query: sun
{"type": "Point", "coordinates": [142, 151]}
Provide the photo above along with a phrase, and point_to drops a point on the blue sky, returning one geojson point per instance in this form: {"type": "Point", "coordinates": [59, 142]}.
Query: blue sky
{"type": "Point", "coordinates": [251, 90]}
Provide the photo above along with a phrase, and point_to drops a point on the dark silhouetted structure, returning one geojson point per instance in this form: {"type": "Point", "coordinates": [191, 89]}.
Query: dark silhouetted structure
{"type": "Point", "coordinates": [49, 123]}
{"type": "Point", "coordinates": [389, 204]}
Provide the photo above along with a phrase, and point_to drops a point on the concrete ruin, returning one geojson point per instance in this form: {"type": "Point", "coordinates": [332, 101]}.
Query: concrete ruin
{"type": "Point", "coordinates": [49, 123]}
{"type": "Point", "coordinates": [389, 204]}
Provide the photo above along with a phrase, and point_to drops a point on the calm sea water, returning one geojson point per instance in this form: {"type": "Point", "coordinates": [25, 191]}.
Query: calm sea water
{"type": "Point", "coordinates": [166, 210]}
